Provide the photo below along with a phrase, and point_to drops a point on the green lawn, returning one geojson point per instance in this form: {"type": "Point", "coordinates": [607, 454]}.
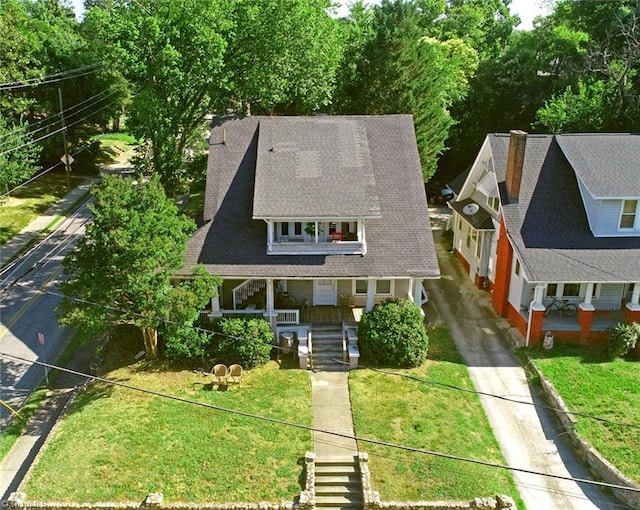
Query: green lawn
{"type": "Point", "coordinates": [27, 203]}
{"type": "Point", "coordinates": [590, 383]}
{"type": "Point", "coordinates": [119, 445]}
{"type": "Point", "coordinates": [408, 412]}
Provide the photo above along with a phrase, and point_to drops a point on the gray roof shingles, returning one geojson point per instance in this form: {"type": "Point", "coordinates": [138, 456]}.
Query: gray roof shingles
{"type": "Point", "coordinates": [233, 245]}
{"type": "Point", "coordinates": [548, 224]}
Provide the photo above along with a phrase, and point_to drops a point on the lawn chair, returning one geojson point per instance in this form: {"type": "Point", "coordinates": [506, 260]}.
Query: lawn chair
{"type": "Point", "coordinates": [235, 373]}
{"type": "Point", "coordinates": [220, 372]}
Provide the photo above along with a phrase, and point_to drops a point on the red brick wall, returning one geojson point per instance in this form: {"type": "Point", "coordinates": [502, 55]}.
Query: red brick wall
{"type": "Point", "coordinates": [504, 257]}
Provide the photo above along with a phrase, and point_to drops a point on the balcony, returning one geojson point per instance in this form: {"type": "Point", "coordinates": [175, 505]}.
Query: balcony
{"type": "Point", "coordinates": [295, 246]}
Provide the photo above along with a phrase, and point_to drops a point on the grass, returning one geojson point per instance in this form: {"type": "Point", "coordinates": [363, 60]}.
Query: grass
{"type": "Point", "coordinates": [408, 412]}
{"type": "Point", "coordinates": [110, 138]}
{"type": "Point", "coordinates": [195, 205]}
{"type": "Point", "coordinates": [30, 201]}
{"type": "Point", "coordinates": [18, 424]}
{"type": "Point", "coordinates": [118, 444]}
{"type": "Point", "coordinates": [590, 383]}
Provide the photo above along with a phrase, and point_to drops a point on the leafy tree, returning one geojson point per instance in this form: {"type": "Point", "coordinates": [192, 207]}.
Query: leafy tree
{"type": "Point", "coordinates": [121, 271]}
{"type": "Point", "coordinates": [623, 338]}
{"type": "Point", "coordinates": [393, 334]}
{"type": "Point", "coordinates": [244, 341]}
{"type": "Point", "coordinates": [17, 163]}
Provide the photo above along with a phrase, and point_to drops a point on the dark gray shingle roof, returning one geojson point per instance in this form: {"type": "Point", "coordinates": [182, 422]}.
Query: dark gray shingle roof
{"type": "Point", "coordinates": [314, 167]}
{"type": "Point", "coordinates": [548, 224]}
{"type": "Point", "coordinates": [233, 245]}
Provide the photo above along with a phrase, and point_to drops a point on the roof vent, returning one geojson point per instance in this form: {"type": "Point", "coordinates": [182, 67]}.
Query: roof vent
{"type": "Point", "coordinates": [470, 209]}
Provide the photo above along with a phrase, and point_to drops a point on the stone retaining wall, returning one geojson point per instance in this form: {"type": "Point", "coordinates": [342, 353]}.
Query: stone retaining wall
{"type": "Point", "coordinates": [600, 466]}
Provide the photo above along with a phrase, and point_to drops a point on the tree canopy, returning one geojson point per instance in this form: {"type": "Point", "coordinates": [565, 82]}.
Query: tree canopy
{"type": "Point", "coordinates": [121, 272]}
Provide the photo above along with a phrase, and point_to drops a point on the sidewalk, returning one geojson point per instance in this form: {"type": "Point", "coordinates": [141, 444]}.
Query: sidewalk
{"type": "Point", "coordinates": [528, 435]}
{"type": "Point", "coordinates": [14, 245]}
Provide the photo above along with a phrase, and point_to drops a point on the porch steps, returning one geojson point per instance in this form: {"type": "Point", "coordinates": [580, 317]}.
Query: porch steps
{"type": "Point", "coordinates": [327, 348]}
{"type": "Point", "coordinates": [338, 484]}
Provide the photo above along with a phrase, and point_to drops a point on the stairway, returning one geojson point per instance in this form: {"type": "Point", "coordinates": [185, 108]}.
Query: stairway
{"type": "Point", "coordinates": [327, 348]}
{"type": "Point", "coordinates": [338, 484]}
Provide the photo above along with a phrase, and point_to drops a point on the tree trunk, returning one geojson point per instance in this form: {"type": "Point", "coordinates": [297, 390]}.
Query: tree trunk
{"type": "Point", "coordinates": [150, 337]}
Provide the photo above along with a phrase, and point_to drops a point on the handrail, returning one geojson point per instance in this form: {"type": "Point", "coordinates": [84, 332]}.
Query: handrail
{"type": "Point", "coordinates": [245, 290]}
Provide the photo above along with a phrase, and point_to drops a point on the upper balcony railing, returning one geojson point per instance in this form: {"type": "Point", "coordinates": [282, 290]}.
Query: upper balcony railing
{"type": "Point", "coordinates": [301, 247]}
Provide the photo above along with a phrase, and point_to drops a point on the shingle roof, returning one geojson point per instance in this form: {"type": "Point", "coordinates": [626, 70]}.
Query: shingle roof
{"type": "Point", "coordinates": [548, 224]}
{"type": "Point", "coordinates": [608, 164]}
{"type": "Point", "coordinates": [233, 245]}
{"type": "Point", "coordinates": [314, 167]}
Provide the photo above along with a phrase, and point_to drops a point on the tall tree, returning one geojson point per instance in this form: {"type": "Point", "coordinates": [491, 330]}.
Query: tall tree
{"type": "Point", "coordinates": [121, 271]}
{"type": "Point", "coordinates": [18, 154]}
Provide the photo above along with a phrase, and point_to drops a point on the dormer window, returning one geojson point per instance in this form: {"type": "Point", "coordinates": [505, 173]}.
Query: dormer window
{"type": "Point", "coordinates": [630, 216]}
{"type": "Point", "coordinates": [494, 203]}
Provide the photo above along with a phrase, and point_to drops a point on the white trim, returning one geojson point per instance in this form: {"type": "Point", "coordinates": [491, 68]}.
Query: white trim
{"type": "Point", "coordinates": [635, 214]}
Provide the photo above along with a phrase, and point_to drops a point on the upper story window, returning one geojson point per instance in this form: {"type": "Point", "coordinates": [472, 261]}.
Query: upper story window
{"type": "Point", "coordinates": [630, 215]}
{"type": "Point", "coordinates": [494, 203]}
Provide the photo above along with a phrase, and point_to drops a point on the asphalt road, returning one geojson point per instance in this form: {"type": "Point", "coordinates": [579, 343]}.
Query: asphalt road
{"type": "Point", "coordinates": [27, 302]}
{"type": "Point", "coordinates": [528, 435]}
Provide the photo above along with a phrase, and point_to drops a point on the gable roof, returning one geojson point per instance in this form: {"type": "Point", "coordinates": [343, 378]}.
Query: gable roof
{"type": "Point", "coordinates": [608, 164]}
{"type": "Point", "coordinates": [314, 167]}
{"type": "Point", "coordinates": [548, 224]}
{"type": "Point", "coordinates": [233, 245]}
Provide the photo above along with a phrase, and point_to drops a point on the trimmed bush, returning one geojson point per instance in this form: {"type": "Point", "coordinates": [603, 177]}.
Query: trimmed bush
{"type": "Point", "coordinates": [623, 338]}
{"type": "Point", "coordinates": [393, 334]}
{"type": "Point", "coordinates": [248, 342]}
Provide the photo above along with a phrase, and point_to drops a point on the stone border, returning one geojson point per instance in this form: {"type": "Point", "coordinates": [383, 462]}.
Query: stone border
{"type": "Point", "coordinates": [600, 466]}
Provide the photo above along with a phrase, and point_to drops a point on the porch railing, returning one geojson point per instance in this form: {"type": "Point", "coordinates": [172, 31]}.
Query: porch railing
{"type": "Point", "coordinates": [287, 316]}
{"type": "Point", "coordinates": [283, 317]}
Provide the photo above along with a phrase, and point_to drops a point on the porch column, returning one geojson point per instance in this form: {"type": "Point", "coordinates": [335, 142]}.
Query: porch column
{"type": "Point", "coordinates": [270, 236]}
{"type": "Point", "coordinates": [269, 314]}
{"type": "Point", "coordinates": [215, 305]}
{"type": "Point", "coordinates": [632, 313]}
{"type": "Point", "coordinates": [585, 313]}
{"type": "Point", "coordinates": [416, 284]}
{"type": "Point", "coordinates": [536, 317]}
{"type": "Point", "coordinates": [371, 292]}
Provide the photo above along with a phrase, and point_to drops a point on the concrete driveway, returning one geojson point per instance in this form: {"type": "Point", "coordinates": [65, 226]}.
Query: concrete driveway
{"type": "Point", "coordinates": [528, 436]}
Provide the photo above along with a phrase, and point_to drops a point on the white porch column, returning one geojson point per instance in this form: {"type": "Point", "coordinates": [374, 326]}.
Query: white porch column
{"type": "Point", "coordinates": [588, 296]}
{"type": "Point", "coordinates": [371, 292]}
{"type": "Point", "coordinates": [269, 314]}
{"type": "Point", "coordinates": [270, 232]}
{"type": "Point", "coordinates": [416, 283]}
{"type": "Point", "coordinates": [538, 294]}
{"type": "Point", "coordinates": [635, 298]}
{"type": "Point", "coordinates": [215, 305]}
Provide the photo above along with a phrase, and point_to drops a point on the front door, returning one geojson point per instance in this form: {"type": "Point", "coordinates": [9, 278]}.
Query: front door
{"type": "Point", "coordinates": [325, 292]}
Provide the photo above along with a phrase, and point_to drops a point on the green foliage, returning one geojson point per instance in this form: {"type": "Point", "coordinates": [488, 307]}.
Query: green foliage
{"type": "Point", "coordinates": [623, 338]}
{"type": "Point", "coordinates": [17, 163]}
{"type": "Point", "coordinates": [120, 272]}
{"type": "Point", "coordinates": [244, 341]}
{"type": "Point", "coordinates": [393, 334]}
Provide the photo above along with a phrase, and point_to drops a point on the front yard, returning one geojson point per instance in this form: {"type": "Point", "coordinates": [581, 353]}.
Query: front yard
{"type": "Point", "coordinates": [119, 445]}
{"type": "Point", "coordinates": [590, 383]}
{"type": "Point", "coordinates": [413, 413]}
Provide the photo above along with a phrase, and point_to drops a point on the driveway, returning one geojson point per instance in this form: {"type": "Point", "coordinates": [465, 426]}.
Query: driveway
{"type": "Point", "coordinates": [528, 435]}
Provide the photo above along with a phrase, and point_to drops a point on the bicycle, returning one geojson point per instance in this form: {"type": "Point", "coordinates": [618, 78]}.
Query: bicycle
{"type": "Point", "coordinates": [561, 305]}
{"type": "Point", "coordinates": [285, 300]}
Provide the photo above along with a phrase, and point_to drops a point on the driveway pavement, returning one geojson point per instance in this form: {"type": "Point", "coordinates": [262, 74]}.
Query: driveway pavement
{"type": "Point", "coordinates": [528, 436]}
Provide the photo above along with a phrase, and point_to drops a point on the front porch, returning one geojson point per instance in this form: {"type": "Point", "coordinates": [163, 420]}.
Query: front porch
{"type": "Point", "coordinates": [556, 322]}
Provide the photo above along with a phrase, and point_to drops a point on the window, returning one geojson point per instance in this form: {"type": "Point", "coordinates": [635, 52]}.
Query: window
{"type": "Point", "coordinates": [516, 269]}
{"type": "Point", "coordinates": [494, 203]}
{"type": "Point", "coordinates": [478, 246]}
{"type": "Point", "coordinates": [297, 228]}
{"type": "Point", "coordinates": [361, 287]}
{"type": "Point", "coordinates": [629, 214]}
{"type": "Point", "coordinates": [571, 290]}
{"type": "Point", "coordinates": [383, 287]}
{"type": "Point", "coordinates": [552, 289]}
{"type": "Point", "coordinates": [563, 290]}
{"type": "Point", "coordinates": [284, 229]}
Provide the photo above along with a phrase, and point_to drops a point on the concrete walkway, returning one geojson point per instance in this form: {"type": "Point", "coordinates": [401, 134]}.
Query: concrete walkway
{"type": "Point", "coordinates": [56, 212]}
{"type": "Point", "coordinates": [529, 436]}
{"type": "Point", "coordinates": [332, 412]}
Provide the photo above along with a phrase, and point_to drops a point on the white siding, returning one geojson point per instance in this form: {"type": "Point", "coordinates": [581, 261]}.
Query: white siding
{"type": "Point", "coordinates": [609, 298]}
{"type": "Point", "coordinates": [592, 207]}
{"type": "Point", "coordinates": [515, 285]}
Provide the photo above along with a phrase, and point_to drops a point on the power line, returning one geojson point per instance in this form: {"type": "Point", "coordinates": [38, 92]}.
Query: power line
{"type": "Point", "coordinates": [53, 78]}
{"type": "Point", "coordinates": [315, 429]}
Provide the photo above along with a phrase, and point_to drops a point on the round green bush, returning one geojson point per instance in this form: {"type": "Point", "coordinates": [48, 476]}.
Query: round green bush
{"type": "Point", "coordinates": [623, 338]}
{"type": "Point", "coordinates": [245, 341]}
{"type": "Point", "coordinates": [393, 334]}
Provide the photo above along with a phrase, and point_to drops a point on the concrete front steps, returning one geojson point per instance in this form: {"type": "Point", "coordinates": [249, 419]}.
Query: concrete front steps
{"type": "Point", "coordinates": [327, 348]}
{"type": "Point", "coordinates": [338, 484]}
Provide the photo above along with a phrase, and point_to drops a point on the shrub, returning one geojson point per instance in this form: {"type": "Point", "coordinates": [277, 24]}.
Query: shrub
{"type": "Point", "coordinates": [623, 338]}
{"type": "Point", "coordinates": [185, 342]}
{"type": "Point", "coordinates": [393, 334]}
{"type": "Point", "coordinates": [248, 342]}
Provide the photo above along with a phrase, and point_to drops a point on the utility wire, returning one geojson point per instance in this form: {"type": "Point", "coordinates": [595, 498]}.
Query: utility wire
{"type": "Point", "coordinates": [315, 429]}
{"type": "Point", "coordinates": [53, 78]}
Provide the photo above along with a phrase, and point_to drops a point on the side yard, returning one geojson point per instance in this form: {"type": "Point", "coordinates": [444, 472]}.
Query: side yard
{"type": "Point", "coordinates": [591, 384]}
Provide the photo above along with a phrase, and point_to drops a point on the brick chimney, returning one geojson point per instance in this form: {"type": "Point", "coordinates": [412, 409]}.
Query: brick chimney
{"type": "Point", "coordinates": [515, 162]}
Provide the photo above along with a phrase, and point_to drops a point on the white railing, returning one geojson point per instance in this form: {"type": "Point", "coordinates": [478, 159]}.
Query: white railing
{"type": "Point", "coordinates": [287, 316]}
{"type": "Point", "coordinates": [245, 290]}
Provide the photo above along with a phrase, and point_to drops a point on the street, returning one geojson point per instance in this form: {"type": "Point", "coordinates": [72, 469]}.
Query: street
{"type": "Point", "coordinates": [27, 314]}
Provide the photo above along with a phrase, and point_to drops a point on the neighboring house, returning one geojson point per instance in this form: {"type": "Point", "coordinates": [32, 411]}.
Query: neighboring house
{"type": "Point", "coordinates": [330, 209]}
{"type": "Point", "coordinates": [544, 216]}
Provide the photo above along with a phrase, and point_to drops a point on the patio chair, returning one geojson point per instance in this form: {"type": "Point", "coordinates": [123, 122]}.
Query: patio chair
{"type": "Point", "coordinates": [220, 372]}
{"type": "Point", "coordinates": [235, 373]}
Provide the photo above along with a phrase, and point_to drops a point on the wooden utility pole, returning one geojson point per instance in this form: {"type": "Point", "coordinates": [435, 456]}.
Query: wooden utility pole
{"type": "Point", "coordinates": [66, 159]}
